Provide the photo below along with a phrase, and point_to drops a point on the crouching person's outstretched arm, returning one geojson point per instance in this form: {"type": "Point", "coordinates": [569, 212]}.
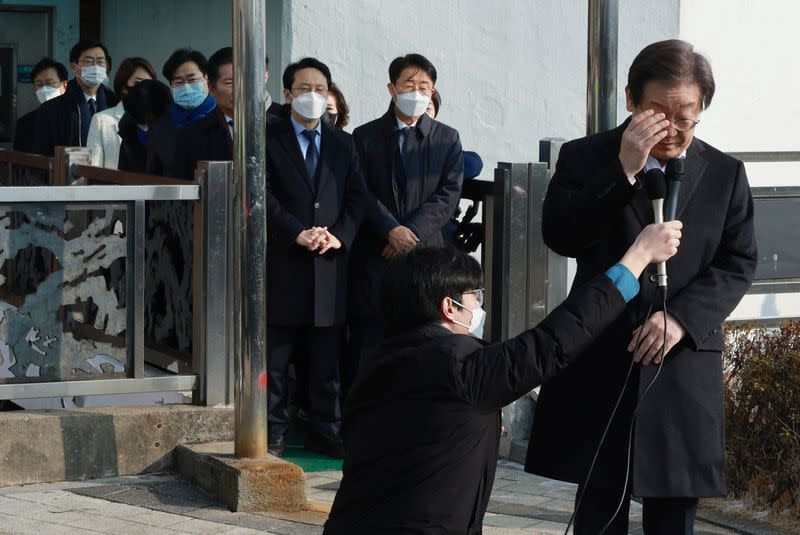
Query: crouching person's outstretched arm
{"type": "Point", "coordinates": [497, 374]}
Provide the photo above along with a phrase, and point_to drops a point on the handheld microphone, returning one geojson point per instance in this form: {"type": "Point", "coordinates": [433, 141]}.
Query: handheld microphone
{"type": "Point", "coordinates": [675, 171]}
{"type": "Point", "coordinates": [656, 188]}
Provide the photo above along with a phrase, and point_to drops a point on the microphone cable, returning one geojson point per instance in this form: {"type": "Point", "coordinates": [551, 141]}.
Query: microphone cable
{"type": "Point", "coordinates": [636, 412]}
{"type": "Point", "coordinates": [608, 425]}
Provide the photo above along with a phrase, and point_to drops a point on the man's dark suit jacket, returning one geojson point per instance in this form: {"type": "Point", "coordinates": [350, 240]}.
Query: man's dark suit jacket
{"type": "Point", "coordinates": [592, 213]}
{"type": "Point", "coordinates": [24, 132]}
{"type": "Point", "coordinates": [423, 415]}
{"type": "Point", "coordinates": [58, 121]}
{"type": "Point", "coordinates": [205, 139]}
{"type": "Point", "coordinates": [434, 175]}
{"type": "Point", "coordinates": [303, 287]}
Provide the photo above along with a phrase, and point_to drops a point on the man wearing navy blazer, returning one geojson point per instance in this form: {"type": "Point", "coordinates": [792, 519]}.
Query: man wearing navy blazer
{"type": "Point", "coordinates": [414, 169]}
{"type": "Point", "coordinates": [315, 201]}
{"type": "Point", "coordinates": [594, 207]}
{"type": "Point", "coordinates": [64, 120]}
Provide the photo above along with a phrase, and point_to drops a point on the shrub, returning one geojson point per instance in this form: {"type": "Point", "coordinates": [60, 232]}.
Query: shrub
{"type": "Point", "coordinates": [762, 412]}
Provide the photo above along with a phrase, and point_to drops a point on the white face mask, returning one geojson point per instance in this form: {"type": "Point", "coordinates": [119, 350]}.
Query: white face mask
{"type": "Point", "coordinates": [46, 93]}
{"type": "Point", "coordinates": [93, 76]}
{"type": "Point", "coordinates": [310, 106]}
{"type": "Point", "coordinates": [412, 104]}
{"type": "Point", "coordinates": [475, 326]}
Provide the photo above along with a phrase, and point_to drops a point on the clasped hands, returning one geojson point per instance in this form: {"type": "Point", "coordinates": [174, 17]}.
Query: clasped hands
{"type": "Point", "coordinates": [318, 238]}
{"type": "Point", "coordinates": [400, 238]}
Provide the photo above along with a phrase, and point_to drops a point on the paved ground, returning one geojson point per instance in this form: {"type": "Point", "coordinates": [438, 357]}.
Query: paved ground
{"type": "Point", "coordinates": [168, 505]}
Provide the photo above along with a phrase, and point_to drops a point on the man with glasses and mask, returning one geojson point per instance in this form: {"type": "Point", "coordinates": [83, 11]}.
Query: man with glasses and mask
{"type": "Point", "coordinates": [594, 207]}
{"type": "Point", "coordinates": [421, 423]}
{"type": "Point", "coordinates": [49, 81]}
{"type": "Point", "coordinates": [315, 202]}
{"type": "Point", "coordinates": [414, 169]}
{"type": "Point", "coordinates": [65, 120]}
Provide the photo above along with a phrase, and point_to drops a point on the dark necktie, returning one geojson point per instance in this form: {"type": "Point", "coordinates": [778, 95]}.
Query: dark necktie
{"type": "Point", "coordinates": [312, 155]}
{"type": "Point", "coordinates": [404, 135]}
{"type": "Point", "coordinates": [92, 104]}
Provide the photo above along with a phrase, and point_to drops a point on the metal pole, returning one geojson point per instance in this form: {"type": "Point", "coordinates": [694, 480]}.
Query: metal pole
{"type": "Point", "coordinates": [249, 52]}
{"type": "Point", "coordinates": [601, 87]}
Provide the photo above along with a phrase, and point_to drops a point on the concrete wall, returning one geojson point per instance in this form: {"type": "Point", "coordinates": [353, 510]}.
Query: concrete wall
{"type": "Point", "coordinates": [752, 49]}
{"type": "Point", "coordinates": [510, 72]}
{"type": "Point", "coordinates": [162, 27]}
{"type": "Point", "coordinates": [753, 53]}
{"type": "Point", "coordinates": [154, 29]}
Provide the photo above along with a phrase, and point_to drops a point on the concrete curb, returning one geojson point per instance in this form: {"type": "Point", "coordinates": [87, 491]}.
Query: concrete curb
{"type": "Point", "coordinates": [76, 444]}
{"type": "Point", "coordinates": [243, 485]}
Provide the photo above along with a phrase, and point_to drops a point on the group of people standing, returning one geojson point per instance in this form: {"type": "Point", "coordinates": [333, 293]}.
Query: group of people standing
{"type": "Point", "coordinates": [339, 206]}
{"type": "Point", "coordinates": [343, 209]}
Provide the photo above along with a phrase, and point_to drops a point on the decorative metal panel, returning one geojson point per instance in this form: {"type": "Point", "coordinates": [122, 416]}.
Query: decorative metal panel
{"type": "Point", "coordinates": [168, 276]}
{"type": "Point", "coordinates": [62, 292]}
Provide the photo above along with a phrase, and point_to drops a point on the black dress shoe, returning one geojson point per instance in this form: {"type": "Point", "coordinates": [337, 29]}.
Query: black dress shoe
{"type": "Point", "coordinates": [325, 444]}
{"type": "Point", "coordinates": [276, 446]}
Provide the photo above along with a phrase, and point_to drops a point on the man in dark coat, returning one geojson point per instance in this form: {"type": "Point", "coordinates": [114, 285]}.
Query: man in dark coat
{"type": "Point", "coordinates": [594, 208]}
{"type": "Point", "coordinates": [187, 72]}
{"type": "Point", "coordinates": [210, 138]}
{"type": "Point", "coordinates": [315, 201]}
{"type": "Point", "coordinates": [422, 420]}
{"type": "Point", "coordinates": [64, 121]}
{"type": "Point", "coordinates": [414, 170]}
{"type": "Point", "coordinates": [49, 81]}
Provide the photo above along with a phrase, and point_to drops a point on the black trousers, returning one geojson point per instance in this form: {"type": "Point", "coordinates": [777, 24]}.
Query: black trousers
{"type": "Point", "coordinates": [323, 348]}
{"type": "Point", "coordinates": [660, 516]}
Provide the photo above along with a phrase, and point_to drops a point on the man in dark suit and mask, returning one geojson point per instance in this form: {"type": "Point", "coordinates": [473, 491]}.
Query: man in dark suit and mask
{"type": "Point", "coordinates": [210, 137]}
{"type": "Point", "coordinates": [49, 81]}
{"type": "Point", "coordinates": [64, 120]}
{"type": "Point", "coordinates": [594, 208]}
{"type": "Point", "coordinates": [315, 201]}
{"type": "Point", "coordinates": [414, 169]}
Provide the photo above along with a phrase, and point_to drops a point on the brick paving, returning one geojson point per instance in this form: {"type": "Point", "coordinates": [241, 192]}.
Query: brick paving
{"type": "Point", "coordinates": [166, 504]}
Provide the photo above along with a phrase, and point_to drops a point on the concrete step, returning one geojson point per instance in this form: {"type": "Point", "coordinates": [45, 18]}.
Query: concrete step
{"type": "Point", "coordinates": [75, 444]}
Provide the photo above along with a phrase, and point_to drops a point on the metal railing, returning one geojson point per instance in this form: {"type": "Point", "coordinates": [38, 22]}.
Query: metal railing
{"type": "Point", "coordinates": [208, 374]}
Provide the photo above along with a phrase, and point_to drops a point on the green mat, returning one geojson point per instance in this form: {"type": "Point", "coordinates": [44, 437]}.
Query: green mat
{"type": "Point", "coordinates": [309, 461]}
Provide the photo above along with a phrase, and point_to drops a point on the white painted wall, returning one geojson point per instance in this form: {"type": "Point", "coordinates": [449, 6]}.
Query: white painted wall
{"type": "Point", "coordinates": [510, 72]}
{"type": "Point", "coordinates": [753, 51]}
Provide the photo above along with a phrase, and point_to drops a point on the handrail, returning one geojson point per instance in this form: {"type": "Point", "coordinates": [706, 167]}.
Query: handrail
{"type": "Point", "coordinates": [123, 178]}
{"type": "Point", "coordinates": [36, 161]}
{"type": "Point", "coordinates": [767, 156]}
{"type": "Point", "coordinates": [66, 194]}
{"type": "Point", "coordinates": [775, 192]}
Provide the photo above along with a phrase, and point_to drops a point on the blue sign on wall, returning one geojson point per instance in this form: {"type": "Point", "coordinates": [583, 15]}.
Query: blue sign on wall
{"type": "Point", "coordinates": [24, 74]}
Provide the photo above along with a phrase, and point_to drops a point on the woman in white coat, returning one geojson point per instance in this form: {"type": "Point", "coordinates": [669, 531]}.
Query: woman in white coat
{"type": "Point", "coordinates": [103, 138]}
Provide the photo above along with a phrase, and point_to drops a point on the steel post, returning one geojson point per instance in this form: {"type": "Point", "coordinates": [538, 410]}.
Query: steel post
{"type": "Point", "coordinates": [601, 87]}
{"type": "Point", "coordinates": [249, 53]}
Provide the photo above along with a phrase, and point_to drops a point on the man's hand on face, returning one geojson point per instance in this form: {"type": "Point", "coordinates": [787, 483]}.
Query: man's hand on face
{"type": "Point", "coordinates": [652, 338]}
{"type": "Point", "coordinates": [313, 238]}
{"type": "Point", "coordinates": [644, 131]}
{"type": "Point", "coordinates": [402, 238]}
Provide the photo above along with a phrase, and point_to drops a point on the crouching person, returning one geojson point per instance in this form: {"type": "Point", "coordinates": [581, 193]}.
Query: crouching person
{"type": "Point", "coordinates": [421, 425]}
